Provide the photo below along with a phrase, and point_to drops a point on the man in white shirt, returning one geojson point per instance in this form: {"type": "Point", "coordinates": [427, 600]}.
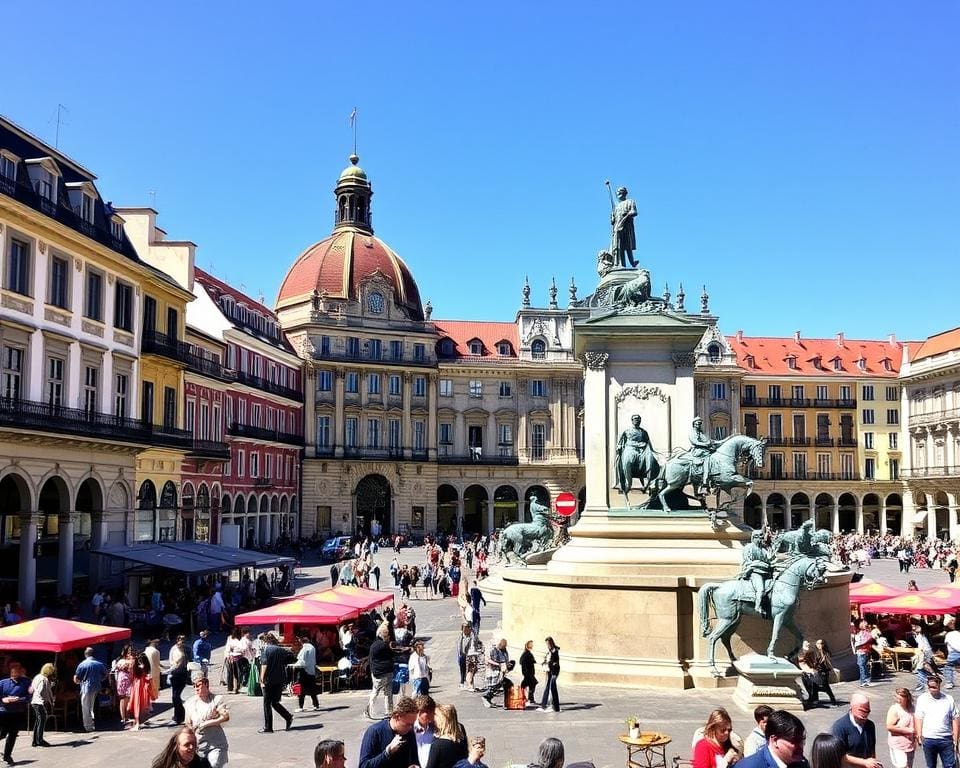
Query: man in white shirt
{"type": "Point", "coordinates": [937, 723]}
{"type": "Point", "coordinates": [952, 640]}
{"type": "Point", "coordinates": [423, 728]}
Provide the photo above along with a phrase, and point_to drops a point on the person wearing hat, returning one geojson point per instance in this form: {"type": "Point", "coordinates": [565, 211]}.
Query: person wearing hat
{"type": "Point", "coordinates": [202, 650]}
{"type": "Point", "coordinates": [152, 652]}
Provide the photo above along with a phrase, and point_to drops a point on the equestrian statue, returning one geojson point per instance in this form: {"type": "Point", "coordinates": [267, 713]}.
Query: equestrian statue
{"type": "Point", "coordinates": [520, 539]}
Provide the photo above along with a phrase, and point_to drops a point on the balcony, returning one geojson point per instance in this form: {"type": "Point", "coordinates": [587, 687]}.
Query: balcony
{"type": "Point", "coordinates": [170, 437]}
{"type": "Point", "coordinates": [823, 442]}
{"type": "Point", "coordinates": [477, 456]}
{"type": "Point", "coordinates": [262, 433]}
{"type": "Point", "coordinates": [269, 386]}
{"type": "Point", "coordinates": [847, 442]}
{"type": "Point", "coordinates": [766, 474]}
{"type": "Point", "coordinates": [795, 402]}
{"type": "Point", "coordinates": [157, 343]}
{"type": "Point", "coordinates": [794, 441]}
{"type": "Point", "coordinates": [354, 452]}
{"type": "Point", "coordinates": [364, 356]}
{"type": "Point", "coordinates": [207, 367]}
{"type": "Point", "coordinates": [24, 193]}
{"type": "Point", "coordinates": [921, 473]}
{"type": "Point", "coordinates": [210, 449]}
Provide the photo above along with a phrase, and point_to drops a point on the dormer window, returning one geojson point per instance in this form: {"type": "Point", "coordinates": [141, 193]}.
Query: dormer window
{"type": "Point", "coordinates": [749, 360]}
{"type": "Point", "coordinates": [86, 208]}
{"type": "Point", "coordinates": [504, 349]}
{"type": "Point", "coordinates": [886, 364]}
{"type": "Point", "coordinates": [792, 363]}
{"type": "Point", "coordinates": [476, 347]}
{"type": "Point", "coordinates": [8, 166]}
{"type": "Point", "coordinates": [862, 363]}
{"type": "Point", "coordinates": [837, 364]}
{"type": "Point", "coordinates": [447, 348]}
{"type": "Point", "coordinates": [116, 227]}
{"type": "Point", "coordinates": [713, 353]}
{"type": "Point", "coordinates": [538, 350]}
{"type": "Point", "coordinates": [43, 175]}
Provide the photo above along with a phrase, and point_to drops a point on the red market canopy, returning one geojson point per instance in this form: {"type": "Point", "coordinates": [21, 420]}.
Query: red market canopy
{"type": "Point", "coordinates": [872, 592]}
{"type": "Point", "coordinates": [911, 603]}
{"type": "Point", "coordinates": [298, 611]}
{"type": "Point", "coordinates": [948, 593]}
{"type": "Point", "coordinates": [57, 635]}
{"type": "Point", "coordinates": [355, 597]}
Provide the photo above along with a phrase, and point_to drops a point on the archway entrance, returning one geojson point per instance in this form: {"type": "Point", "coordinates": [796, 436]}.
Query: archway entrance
{"type": "Point", "coordinates": [474, 509]}
{"type": "Point", "coordinates": [848, 513]}
{"type": "Point", "coordinates": [776, 511]}
{"type": "Point", "coordinates": [446, 508]}
{"type": "Point", "coordinates": [542, 495]}
{"type": "Point", "coordinates": [506, 506]}
{"type": "Point", "coordinates": [167, 513]}
{"type": "Point", "coordinates": [146, 507]}
{"type": "Point", "coordinates": [14, 499]}
{"type": "Point", "coordinates": [823, 513]}
{"type": "Point", "coordinates": [373, 504]}
{"type": "Point", "coordinates": [894, 514]}
{"type": "Point", "coordinates": [753, 511]}
{"type": "Point", "coordinates": [799, 509]}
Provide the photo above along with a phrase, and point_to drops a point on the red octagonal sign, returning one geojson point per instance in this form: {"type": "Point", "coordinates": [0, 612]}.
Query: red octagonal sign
{"type": "Point", "coordinates": [566, 504]}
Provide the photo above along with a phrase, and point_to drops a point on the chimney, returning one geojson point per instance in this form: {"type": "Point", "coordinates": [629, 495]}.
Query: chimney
{"type": "Point", "coordinates": [739, 337]}
{"type": "Point", "coordinates": [840, 339]}
{"type": "Point", "coordinates": [796, 337]}
{"type": "Point", "coordinates": [892, 339]}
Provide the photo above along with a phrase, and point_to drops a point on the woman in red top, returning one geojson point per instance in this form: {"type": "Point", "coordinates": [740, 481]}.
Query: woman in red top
{"type": "Point", "coordinates": [714, 750]}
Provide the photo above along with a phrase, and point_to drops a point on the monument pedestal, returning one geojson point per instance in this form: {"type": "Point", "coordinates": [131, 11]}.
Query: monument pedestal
{"type": "Point", "coordinates": [774, 682]}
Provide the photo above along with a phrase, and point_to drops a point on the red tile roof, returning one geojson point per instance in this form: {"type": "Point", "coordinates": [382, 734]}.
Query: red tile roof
{"type": "Point", "coordinates": [936, 344]}
{"type": "Point", "coordinates": [461, 332]}
{"type": "Point", "coordinates": [770, 356]}
{"type": "Point", "coordinates": [209, 281]}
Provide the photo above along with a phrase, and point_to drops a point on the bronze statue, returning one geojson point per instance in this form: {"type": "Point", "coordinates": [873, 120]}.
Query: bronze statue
{"type": "Point", "coordinates": [756, 566]}
{"type": "Point", "coordinates": [624, 239]}
{"type": "Point", "coordinates": [635, 458]}
{"type": "Point", "coordinates": [701, 447]}
{"type": "Point", "coordinates": [633, 292]}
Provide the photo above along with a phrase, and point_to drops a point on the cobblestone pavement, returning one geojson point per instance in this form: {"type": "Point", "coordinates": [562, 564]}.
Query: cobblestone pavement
{"type": "Point", "coordinates": [589, 723]}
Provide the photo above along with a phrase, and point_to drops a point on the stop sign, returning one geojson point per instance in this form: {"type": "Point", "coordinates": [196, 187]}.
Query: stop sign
{"type": "Point", "coordinates": [566, 504]}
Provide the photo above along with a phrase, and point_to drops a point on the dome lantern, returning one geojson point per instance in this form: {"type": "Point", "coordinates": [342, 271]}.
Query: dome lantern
{"type": "Point", "coordinates": [353, 193]}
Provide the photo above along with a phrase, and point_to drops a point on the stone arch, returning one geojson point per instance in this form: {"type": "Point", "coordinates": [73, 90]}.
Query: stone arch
{"type": "Point", "coordinates": [941, 512]}
{"type": "Point", "coordinates": [251, 504]}
{"type": "Point", "coordinates": [284, 505]}
{"type": "Point", "coordinates": [264, 504]}
{"type": "Point", "coordinates": [275, 505]}
{"type": "Point", "coordinates": [54, 496]}
{"type": "Point", "coordinates": [753, 511]}
{"type": "Point", "coordinates": [187, 492]}
{"type": "Point", "coordinates": [475, 499]}
{"type": "Point", "coordinates": [894, 504]}
{"type": "Point", "coordinates": [799, 509]}
{"type": "Point", "coordinates": [201, 514]}
{"type": "Point", "coordinates": [374, 501]}
{"type": "Point", "coordinates": [847, 516]}
{"type": "Point", "coordinates": [293, 514]}
{"type": "Point", "coordinates": [506, 506]}
{"type": "Point", "coordinates": [166, 513]}
{"type": "Point", "coordinates": [447, 498]}
{"type": "Point", "coordinates": [89, 500]}
{"type": "Point", "coordinates": [14, 499]}
{"type": "Point", "coordinates": [823, 511]}
{"type": "Point", "coordinates": [871, 512]}
{"type": "Point", "coordinates": [776, 511]}
{"type": "Point", "coordinates": [538, 349]}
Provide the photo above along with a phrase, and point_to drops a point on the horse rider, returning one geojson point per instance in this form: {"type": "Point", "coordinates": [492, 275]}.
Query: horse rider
{"type": "Point", "coordinates": [757, 568]}
{"type": "Point", "coordinates": [634, 443]}
{"type": "Point", "coordinates": [701, 447]}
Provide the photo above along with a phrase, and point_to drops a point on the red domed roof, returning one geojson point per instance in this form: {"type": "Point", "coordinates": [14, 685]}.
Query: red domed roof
{"type": "Point", "coordinates": [337, 266]}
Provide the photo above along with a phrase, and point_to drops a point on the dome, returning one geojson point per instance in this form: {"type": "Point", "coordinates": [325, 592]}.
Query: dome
{"type": "Point", "coordinates": [337, 265]}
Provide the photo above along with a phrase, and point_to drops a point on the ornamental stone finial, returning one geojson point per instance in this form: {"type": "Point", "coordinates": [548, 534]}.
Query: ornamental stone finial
{"type": "Point", "coordinates": [681, 296]}
{"type": "Point", "coordinates": [427, 310]}
{"type": "Point", "coordinates": [526, 291]}
{"type": "Point", "coordinates": [666, 293]}
{"type": "Point", "coordinates": [705, 302]}
{"type": "Point", "coordinates": [573, 293]}
{"type": "Point", "coordinates": [553, 293]}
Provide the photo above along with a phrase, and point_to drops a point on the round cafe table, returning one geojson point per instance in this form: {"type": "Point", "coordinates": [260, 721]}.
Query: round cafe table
{"type": "Point", "coordinates": [647, 751]}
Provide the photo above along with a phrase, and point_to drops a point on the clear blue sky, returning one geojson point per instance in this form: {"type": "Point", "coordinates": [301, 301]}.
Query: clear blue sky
{"type": "Point", "coordinates": [801, 159]}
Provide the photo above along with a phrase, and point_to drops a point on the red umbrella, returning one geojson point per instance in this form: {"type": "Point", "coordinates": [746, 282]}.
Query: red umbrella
{"type": "Point", "coordinates": [873, 591]}
{"type": "Point", "coordinates": [298, 611]}
{"type": "Point", "coordinates": [57, 635]}
{"type": "Point", "coordinates": [911, 603]}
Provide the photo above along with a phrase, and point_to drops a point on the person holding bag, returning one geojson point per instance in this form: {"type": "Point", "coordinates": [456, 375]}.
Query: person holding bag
{"type": "Point", "coordinates": [551, 665]}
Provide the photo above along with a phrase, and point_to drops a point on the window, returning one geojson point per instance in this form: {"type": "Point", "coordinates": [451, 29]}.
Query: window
{"type": "Point", "coordinates": [146, 402]}
{"type": "Point", "coordinates": [204, 421]}
{"type": "Point", "coordinates": [868, 415]}
{"type": "Point", "coordinates": [822, 392]}
{"type": "Point", "coordinates": [823, 465]}
{"type": "Point", "coordinates": [894, 469]}
{"type": "Point", "coordinates": [800, 466]}
{"type": "Point", "coordinates": [773, 391]}
{"type": "Point", "coordinates": [373, 383]}
{"type": "Point", "coordinates": [892, 393]}
{"type": "Point", "coordinates": [18, 268]}
{"type": "Point", "coordinates": [188, 420]}
{"type": "Point", "coordinates": [823, 426]}
{"type": "Point", "coordinates": [446, 433]}
{"type": "Point", "coordinates": [447, 348]}
{"type": "Point", "coordinates": [750, 392]}
{"type": "Point", "coordinates": [893, 416]}
{"type": "Point", "coordinates": [352, 382]}
{"type": "Point", "coordinates": [845, 393]}
{"type": "Point", "coordinates": [86, 208]}
{"type": "Point", "coordinates": [796, 392]}
{"type": "Point", "coordinates": [8, 167]}
{"type": "Point", "coordinates": [353, 346]}
{"type": "Point", "coordinates": [350, 432]}
{"type": "Point", "coordinates": [376, 349]}
{"type": "Point", "coordinates": [868, 440]}
{"type": "Point", "coordinates": [93, 300]}
{"type": "Point", "coordinates": [240, 463]}
{"type": "Point", "coordinates": [116, 228]}
{"type": "Point", "coordinates": [713, 353]}
{"type": "Point", "coordinates": [325, 346]}
{"type": "Point", "coordinates": [750, 424]}
{"type": "Point", "coordinates": [719, 432]}
{"type": "Point", "coordinates": [268, 466]}
{"type": "Point", "coordinates": [255, 413]}
{"type": "Point", "coordinates": [419, 352]}
{"type": "Point", "coordinates": [799, 427]}
{"type": "Point", "coordinates": [420, 386]}
{"type": "Point", "coordinates": [776, 426]}
{"type": "Point", "coordinates": [55, 381]}
{"type": "Point", "coordinates": [538, 350]}
{"type": "Point", "coordinates": [539, 442]}
{"type": "Point", "coordinates": [837, 364]}
{"type": "Point", "coordinates": [45, 185]}
{"type": "Point", "coordinates": [792, 363]}
{"type": "Point", "coordinates": [869, 469]}
{"type": "Point", "coordinates": [718, 391]}
{"type": "Point", "coordinates": [396, 385]}
{"type": "Point", "coordinates": [323, 431]}
{"type": "Point", "coordinates": [59, 282]}
{"type": "Point", "coordinates": [505, 434]}
{"type": "Point", "coordinates": [396, 350]}
{"type": "Point", "coordinates": [373, 433]}
{"type": "Point", "coordinates": [505, 390]}
{"type": "Point", "coordinates": [893, 440]}
{"type": "Point", "coordinates": [90, 377]}
{"type": "Point", "coordinates": [867, 391]}
{"type": "Point", "coordinates": [476, 388]}
{"type": "Point", "coordinates": [123, 307]}
{"type": "Point", "coordinates": [12, 374]}
{"type": "Point", "coordinates": [504, 349]}
{"type": "Point", "coordinates": [538, 388]}
{"type": "Point", "coordinates": [217, 424]}
{"type": "Point", "coordinates": [254, 464]}
{"type": "Point", "coordinates": [324, 381]}
{"type": "Point", "coordinates": [476, 348]}
{"type": "Point", "coordinates": [419, 429]}
{"type": "Point", "coordinates": [446, 388]}
{"type": "Point", "coordinates": [776, 466]}
{"type": "Point", "coordinates": [394, 433]}
{"type": "Point", "coordinates": [169, 408]}
{"type": "Point", "coordinates": [847, 471]}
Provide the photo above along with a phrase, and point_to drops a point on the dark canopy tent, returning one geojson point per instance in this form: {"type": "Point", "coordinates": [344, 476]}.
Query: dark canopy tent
{"type": "Point", "coordinates": [193, 558]}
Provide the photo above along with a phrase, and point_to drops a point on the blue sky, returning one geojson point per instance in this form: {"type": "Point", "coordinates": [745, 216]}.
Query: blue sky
{"type": "Point", "coordinates": [800, 159]}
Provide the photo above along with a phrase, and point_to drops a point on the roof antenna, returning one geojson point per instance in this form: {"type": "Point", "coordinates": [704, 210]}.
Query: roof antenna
{"type": "Point", "coordinates": [153, 198]}
{"type": "Point", "coordinates": [60, 110]}
{"type": "Point", "coordinates": [353, 125]}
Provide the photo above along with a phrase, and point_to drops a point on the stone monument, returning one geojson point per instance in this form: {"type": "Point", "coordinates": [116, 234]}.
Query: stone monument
{"type": "Point", "coordinates": [621, 598]}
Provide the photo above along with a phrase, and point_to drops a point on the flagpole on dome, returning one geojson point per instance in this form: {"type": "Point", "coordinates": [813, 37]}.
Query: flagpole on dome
{"type": "Point", "coordinates": [353, 124]}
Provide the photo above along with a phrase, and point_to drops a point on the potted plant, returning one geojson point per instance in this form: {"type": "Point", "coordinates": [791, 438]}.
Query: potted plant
{"type": "Point", "coordinates": [633, 727]}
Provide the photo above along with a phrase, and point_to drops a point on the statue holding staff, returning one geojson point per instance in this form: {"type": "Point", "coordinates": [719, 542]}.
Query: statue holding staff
{"type": "Point", "coordinates": [623, 240]}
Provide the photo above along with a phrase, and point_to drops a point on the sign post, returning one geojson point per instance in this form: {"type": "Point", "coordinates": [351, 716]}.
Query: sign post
{"type": "Point", "coordinates": [566, 504]}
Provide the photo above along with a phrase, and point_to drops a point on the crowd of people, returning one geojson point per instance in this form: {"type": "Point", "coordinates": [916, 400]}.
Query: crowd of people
{"type": "Point", "coordinates": [858, 550]}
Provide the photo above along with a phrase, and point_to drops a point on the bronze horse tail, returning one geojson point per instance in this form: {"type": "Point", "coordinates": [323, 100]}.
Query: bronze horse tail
{"type": "Point", "coordinates": [706, 593]}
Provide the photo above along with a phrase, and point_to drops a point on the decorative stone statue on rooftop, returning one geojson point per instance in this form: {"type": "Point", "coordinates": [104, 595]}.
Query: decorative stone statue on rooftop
{"type": "Point", "coordinates": [623, 241]}
{"type": "Point", "coordinates": [635, 458]}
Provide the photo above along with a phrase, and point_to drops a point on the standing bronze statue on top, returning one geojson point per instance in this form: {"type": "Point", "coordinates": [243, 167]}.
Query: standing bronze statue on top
{"type": "Point", "coordinates": [623, 241]}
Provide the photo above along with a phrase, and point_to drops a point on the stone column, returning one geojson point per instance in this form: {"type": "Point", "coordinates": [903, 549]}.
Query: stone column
{"type": "Point", "coordinates": [787, 515]}
{"type": "Point", "coordinates": [310, 412]}
{"type": "Point", "coordinates": [764, 520]}
{"type": "Point", "coordinates": [432, 417]}
{"type": "Point", "coordinates": [950, 446]}
{"type": "Point", "coordinates": [106, 384]}
{"type": "Point", "coordinates": [835, 517]}
{"type": "Point", "coordinates": [38, 376]}
{"type": "Point", "coordinates": [595, 438]}
{"type": "Point", "coordinates": [27, 575]}
{"type": "Point", "coordinates": [98, 538]}
{"type": "Point", "coordinates": [338, 423]}
{"type": "Point", "coordinates": [67, 522]}
{"type": "Point", "coordinates": [459, 434]}
{"type": "Point", "coordinates": [490, 444]}
{"type": "Point", "coordinates": [459, 521]}
{"type": "Point", "coordinates": [953, 499]}
{"type": "Point", "coordinates": [929, 452]}
{"type": "Point", "coordinates": [407, 438]}
{"type": "Point", "coordinates": [859, 517]}
{"type": "Point", "coordinates": [883, 516]}
{"type": "Point", "coordinates": [931, 517]}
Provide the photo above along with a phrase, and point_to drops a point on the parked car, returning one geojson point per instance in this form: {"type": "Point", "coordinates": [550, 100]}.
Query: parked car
{"type": "Point", "coordinates": [335, 548]}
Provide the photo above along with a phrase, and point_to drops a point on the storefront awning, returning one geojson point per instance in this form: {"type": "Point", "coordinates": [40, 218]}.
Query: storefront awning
{"type": "Point", "coordinates": [193, 557]}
